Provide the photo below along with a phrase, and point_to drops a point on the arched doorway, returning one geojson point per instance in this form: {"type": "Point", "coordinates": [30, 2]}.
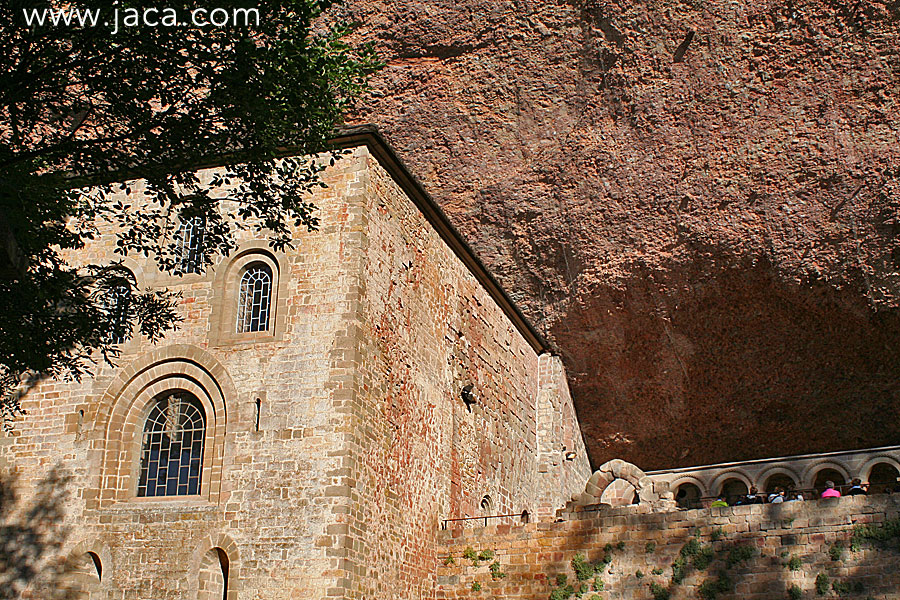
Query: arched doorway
{"type": "Point", "coordinates": [213, 584]}
{"type": "Point", "coordinates": [779, 480]}
{"type": "Point", "coordinates": [688, 496]}
{"type": "Point", "coordinates": [733, 489]}
{"type": "Point", "coordinates": [829, 474]}
{"type": "Point", "coordinates": [882, 476]}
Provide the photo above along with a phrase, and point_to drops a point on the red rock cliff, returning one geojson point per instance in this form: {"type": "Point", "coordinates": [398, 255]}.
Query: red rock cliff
{"type": "Point", "coordinates": [698, 202]}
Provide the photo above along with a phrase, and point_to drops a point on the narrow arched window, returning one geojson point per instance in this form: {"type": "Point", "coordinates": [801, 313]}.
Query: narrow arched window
{"type": "Point", "coordinates": [190, 245]}
{"type": "Point", "coordinates": [116, 303]}
{"type": "Point", "coordinates": [172, 446]}
{"type": "Point", "coordinates": [255, 301]}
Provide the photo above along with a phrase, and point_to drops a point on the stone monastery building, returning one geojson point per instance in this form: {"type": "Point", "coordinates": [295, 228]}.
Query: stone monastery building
{"type": "Point", "coordinates": [307, 429]}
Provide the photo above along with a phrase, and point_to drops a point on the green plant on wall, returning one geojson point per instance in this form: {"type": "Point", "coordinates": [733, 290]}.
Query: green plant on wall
{"type": "Point", "coordinates": [679, 570]}
{"type": "Point", "coordinates": [470, 554]}
{"type": "Point", "coordinates": [562, 593]}
{"type": "Point", "coordinates": [639, 574]}
{"type": "Point", "coordinates": [794, 592]}
{"type": "Point", "coordinates": [711, 588]}
{"type": "Point", "coordinates": [717, 534]}
{"type": "Point", "coordinates": [887, 534]}
{"type": "Point", "coordinates": [794, 563]}
{"type": "Point", "coordinates": [486, 555]}
{"type": "Point", "coordinates": [690, 548]}
{"type": "Point", "coordinates": [657, 571]}
{"type": "Point", "coordinates": [449, 560]}
{"type": "Point", "coordinates": [822, 583]}
{"type": "Point", "coordinates": [739, 554]}
{"type": "Point", "coordinates": [841, 588]}
{"type": "Point", "coordinates": [703, 558]}
{"type": "Point", "coordinates": [659, 592]}
{"type": "Point", "coordinates": [583, 569]}
{"type": "Point", "coordinates": [496, 571]}
{"type": "Point", "coordinates": [598, 584]}
{"type": "Point", "coordinates": [650, 548]}
{"type": "Point", "coordinates": [476, 587]}
{"type": "Point", "coordinates": [836, 551]}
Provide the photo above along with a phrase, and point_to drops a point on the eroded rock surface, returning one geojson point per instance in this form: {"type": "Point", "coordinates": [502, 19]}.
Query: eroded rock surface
{"type": "Point", "coordinates": [705, 225]}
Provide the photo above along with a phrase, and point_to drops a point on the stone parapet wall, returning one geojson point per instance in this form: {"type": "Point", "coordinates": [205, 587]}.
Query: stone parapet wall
{"type": "Point", "coordinates": [643, 545]}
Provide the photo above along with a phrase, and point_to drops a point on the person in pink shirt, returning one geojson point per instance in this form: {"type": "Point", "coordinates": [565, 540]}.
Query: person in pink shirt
{"type": "Point", "coordinates": [830, 492]}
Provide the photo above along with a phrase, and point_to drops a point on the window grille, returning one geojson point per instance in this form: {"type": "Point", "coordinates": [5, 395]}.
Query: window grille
{"type": "Point", "coordinates": [254, 304]}
{"type": "Point", "coordinates": [190, 245]}
{"type": "Point", "coordinates": [172, 447]}
{"type": "Point", "coordinates": [116, 304]}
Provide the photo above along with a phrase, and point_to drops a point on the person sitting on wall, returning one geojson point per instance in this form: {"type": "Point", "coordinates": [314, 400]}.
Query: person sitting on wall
{"type": "Point", "coordinates": [794, 496]}
{"type": "Point", "coordinates": [720, 501]}
{"type": "Point", "coordinates": [830, 492]}
{"type": "Point", "coordinates": [752, 497]}
{"type": "Point", "coordinates": [777, 497]}
{"type": "Point", "coordinates": [856, 488]}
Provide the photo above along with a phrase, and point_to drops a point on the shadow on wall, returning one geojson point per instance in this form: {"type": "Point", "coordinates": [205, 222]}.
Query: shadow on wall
{"type": "Point", "coordinates": [32, 535]}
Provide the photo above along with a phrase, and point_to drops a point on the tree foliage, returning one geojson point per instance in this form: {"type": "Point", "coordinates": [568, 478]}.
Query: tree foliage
{"type": "Point", "coordinates": [84, 106]}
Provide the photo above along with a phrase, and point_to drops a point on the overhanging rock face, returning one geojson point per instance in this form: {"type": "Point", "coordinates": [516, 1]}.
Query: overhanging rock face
{"type": "Point", "coordinates": [712, 244]}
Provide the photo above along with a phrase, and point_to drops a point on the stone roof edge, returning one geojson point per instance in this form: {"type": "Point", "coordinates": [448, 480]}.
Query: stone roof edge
{"type": "Point", "coordinates": [368, 135]}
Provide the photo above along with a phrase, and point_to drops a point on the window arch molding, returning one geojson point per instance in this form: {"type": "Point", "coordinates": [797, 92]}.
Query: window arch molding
{"type": "Point", "coordinates": [124, 408]}
{"type": "Point", "coordinates": [227, 294]}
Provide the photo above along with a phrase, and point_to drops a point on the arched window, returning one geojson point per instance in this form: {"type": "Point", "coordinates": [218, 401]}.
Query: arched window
{"type": "Point", "coordinates": [255, 300]}
{"type": "Point", "coordinates": [172, 446]}
{"type": "Point", "coordinates": [116, 302]}
{"type": "Point", "coordinates": [190, 245]}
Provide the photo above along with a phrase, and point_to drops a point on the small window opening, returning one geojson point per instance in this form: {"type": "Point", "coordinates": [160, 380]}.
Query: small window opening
{"type": "Point", "coordinates": [525, 517]}
{"type": "Point", "coordinates": [258, 412]}
{"type": "Point", "coordinates": [97, 565]}
{"type": "Point", "coordinates": [190, 245]}
{"type": "Point", "coordinates": [116, 304]}
{"type": "Point", "coordinates": [468, 396]}
{"type": "Point", "coordinates": [487, 505]}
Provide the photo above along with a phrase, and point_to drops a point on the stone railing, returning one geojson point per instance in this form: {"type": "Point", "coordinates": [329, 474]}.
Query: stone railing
{"type": "Point", "coordinates": [881, 466]}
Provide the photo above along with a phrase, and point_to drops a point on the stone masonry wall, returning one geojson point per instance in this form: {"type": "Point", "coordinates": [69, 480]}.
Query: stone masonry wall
{"type": "Point", "coordinates": [418, 453]}
{"type": "Point", "coordinates": [751, 546]}
{"type": "Point", "coordinates": [279, 487]}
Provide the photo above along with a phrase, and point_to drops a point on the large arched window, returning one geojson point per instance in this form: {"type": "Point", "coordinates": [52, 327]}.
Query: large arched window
{"type": "Point", "coordinates": [255, 299]}
{"type": "Point", "coordinates": [190, 245]}
{"type": "Point", "coordinates": [172, 446]}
